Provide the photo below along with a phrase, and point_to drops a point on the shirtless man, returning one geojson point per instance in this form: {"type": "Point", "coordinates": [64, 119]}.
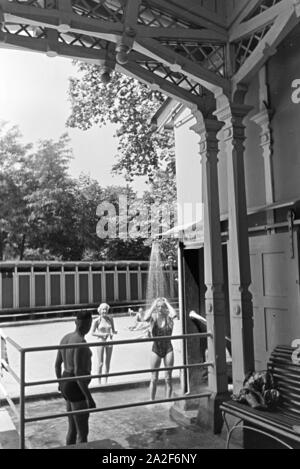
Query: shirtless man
{"type": "Point", "coordinates": [76, 362]}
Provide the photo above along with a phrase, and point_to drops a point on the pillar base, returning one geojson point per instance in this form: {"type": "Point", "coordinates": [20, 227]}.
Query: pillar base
{"type": "Point", "coordinates": [186, 412]}
{"type": "Point", "coordinates": [209, 413]}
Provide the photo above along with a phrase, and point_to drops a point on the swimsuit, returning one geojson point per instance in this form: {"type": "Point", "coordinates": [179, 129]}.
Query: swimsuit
{"type": "Point", "coordinates": [164, 346]}
{"type": "Point", "coordinates": [104, 326]}
{"type": "Point", "coordinates": [70, 389]}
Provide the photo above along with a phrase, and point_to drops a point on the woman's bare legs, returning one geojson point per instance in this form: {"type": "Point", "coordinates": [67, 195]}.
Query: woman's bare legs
{"type": "Point", "coordinates": [108, 353]}
{"type": "Point", "coordinates": [100, 352]}
{"type": "Point", "coordinates": [155, 363]}
{"type": "Point", "coordinates": [169, 361]}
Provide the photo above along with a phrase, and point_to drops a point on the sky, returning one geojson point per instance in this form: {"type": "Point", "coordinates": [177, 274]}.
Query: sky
{"type": "Point", "coordinates": [33, 96]}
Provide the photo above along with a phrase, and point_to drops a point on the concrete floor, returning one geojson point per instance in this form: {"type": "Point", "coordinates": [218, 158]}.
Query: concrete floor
{"type": "Point", "coordinates": [40, 365]}
{"type": "Point", "coordinates": [144, 427]}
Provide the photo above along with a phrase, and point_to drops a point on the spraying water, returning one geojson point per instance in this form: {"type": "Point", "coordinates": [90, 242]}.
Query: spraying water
{"type": "Point", "coordinates": [157, 285]}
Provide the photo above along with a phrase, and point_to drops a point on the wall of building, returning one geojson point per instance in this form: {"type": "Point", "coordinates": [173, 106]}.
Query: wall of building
{"type": "Point", "coordinates": [189, 184]}
{"type": "Point", "coordinates": [253, 159]}
{"type": "Point", "coordinates": [275, 293]}
{"type": "Point", "coordinates": [188, 171]}
{"type": "Point", "coordinates": [283, 68]}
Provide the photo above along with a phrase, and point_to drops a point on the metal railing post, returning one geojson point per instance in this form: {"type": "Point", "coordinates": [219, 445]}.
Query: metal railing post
{"type": "Point", "coordinates": [22, 400]}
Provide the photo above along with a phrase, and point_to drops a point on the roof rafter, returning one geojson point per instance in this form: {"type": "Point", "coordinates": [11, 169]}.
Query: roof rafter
{"type": "Point", "coordinates": [129, 21]}
{"type": "Point", "coordinates": [259, 21]}
{"type": "Point", "coordinates": [178, 62]}
{"type": "Point", "coordinates": [247, 10]}
{"type": "Point", "coordinates": [181, 33]}
{"type": "Point", "coordinates": [13, 41]}
{"type": "Point", "coordinates": [180, 45]}
{"type": "Point", "coordinates": [165, 113]}
{"type": "Point", "coordinates": [159, 83]}
{"type": "Point", "coordinates": [284, 23]}
{"type": "Point", "coordinates": [55, 18]}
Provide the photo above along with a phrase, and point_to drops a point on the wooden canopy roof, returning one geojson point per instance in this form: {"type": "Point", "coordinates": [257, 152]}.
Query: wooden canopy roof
{"type": "Point", "coordinates": [180, 47]}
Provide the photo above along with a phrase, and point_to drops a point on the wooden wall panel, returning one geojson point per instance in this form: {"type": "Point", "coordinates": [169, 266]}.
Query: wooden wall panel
{"type": "Point", "coordinates": [275, 291]}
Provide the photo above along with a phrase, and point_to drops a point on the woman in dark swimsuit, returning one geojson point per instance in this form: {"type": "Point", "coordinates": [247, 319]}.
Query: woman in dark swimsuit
{"type": "Point", "coordinates": [161, 316]}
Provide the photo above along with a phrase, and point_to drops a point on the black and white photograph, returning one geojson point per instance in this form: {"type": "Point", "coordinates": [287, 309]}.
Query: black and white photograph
{"type": "Point", "coordinates": [149, 227]}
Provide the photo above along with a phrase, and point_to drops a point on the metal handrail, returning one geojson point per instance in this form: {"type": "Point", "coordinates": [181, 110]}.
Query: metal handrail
{"type": "Point", "coordinates": [23, 384]}
{"type": "Point", "coordinates": [117, 407]}
{"type": "Point", "coordinates": [115, 342]}
{"type": "Point", "coordinates": [120, 373]}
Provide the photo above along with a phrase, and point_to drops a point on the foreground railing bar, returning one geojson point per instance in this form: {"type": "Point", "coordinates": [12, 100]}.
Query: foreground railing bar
{"type": "Point", "coordinates": [10, 401]}
{"type": "Point", "coordinates": [8, 368]}
{"type": "Point", "coordinates": [116, 342]}
{"type": "Point", "coordinates": [22, 402]}
{"type": "Point", "coordinates": [120, 373]}
{"type": "Point", "coordinates": [117, 407]}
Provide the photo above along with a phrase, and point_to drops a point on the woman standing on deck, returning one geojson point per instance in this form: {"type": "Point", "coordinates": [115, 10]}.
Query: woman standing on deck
{"type": "Point", "coordinates": [103, 328]}
{"type": "Point", "coordinates": [161, 316]}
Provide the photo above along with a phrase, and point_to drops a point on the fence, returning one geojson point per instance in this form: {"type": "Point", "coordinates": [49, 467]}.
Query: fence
{"type": "Point", "coordinates": [35, 285]}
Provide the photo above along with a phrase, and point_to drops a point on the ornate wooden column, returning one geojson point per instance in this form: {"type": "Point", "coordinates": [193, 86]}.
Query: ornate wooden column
{"type": "Point", "coordinates": [241, 310]}
{"type": "Point", "coordinates": [207, 129]}
{"type": "Point", "coordinates": [263, 120]}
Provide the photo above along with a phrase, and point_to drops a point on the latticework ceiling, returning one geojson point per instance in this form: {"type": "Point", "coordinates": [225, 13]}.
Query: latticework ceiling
{"type": "Point", "coordinates": [178, 47]}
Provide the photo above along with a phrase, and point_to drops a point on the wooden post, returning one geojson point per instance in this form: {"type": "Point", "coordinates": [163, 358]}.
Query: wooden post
{"type": "Point", "coordinates": [215, 304]}
{"type": "Point", "coordinates": [48, 286]}
{"type": "Point", "coordinates": [77, 286]}
{"type": "Point", "coordinates": [90, 284]}
{"type": "Point", "coordinates": [263, 120]}
{"type": "Point", "coordinates": [16, 298]}
{"type": "Point", "coordinates": [63, 286]}
{"type": "Point", "coordinates": [116, 284]}
{"type": "Point", "coordinates": [140, 286]}
{"type": "Point", "coordinates": [241, 309]}
{"type": "Point", "coordinates": [32, 287]}
{"type": "Point", "coordinates": [128, 283]}
{"type": "Point", "coordinates": [103, 284]}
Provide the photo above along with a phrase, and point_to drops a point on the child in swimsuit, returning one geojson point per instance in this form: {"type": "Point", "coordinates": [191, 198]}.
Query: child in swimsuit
{"type": "Point", "coordinates": [161, 316]}
{"type": "Point", "coordinates": [140, 323]}
{"type": "Point", "coordinates": [103, 328]}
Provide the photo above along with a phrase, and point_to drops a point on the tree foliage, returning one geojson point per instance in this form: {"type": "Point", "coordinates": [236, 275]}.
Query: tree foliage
{"type": "Point", "coordinates": [141, 151]}
{"type": "Point", "coordinates": [46, 214]}
{"type": "Point", "coordinates": [131, 105]}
